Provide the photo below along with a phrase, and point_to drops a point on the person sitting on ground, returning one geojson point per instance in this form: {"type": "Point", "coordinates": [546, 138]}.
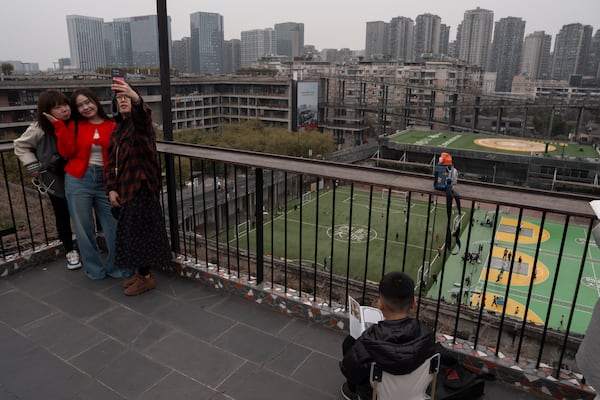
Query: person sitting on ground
{"type": "Point", "coordinates": [399, 344]}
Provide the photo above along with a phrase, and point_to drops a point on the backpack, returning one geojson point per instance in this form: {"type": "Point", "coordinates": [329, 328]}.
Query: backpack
{"type": "Point", "coordinates": [455, 382]}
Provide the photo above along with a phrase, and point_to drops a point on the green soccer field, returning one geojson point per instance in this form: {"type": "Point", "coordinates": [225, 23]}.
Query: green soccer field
{"type": "Point", "coordinates": [548, 267]}
{"type": "Point", "coordinates": [350, 236]}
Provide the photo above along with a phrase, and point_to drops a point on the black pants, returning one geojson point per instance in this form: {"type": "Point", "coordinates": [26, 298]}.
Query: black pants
{"type": "Point", "coordinates": [63, 221]}
{"type": "Point", "coordinates": [364, 390]}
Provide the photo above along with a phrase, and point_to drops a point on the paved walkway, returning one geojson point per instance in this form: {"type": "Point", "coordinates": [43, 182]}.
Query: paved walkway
{"type": "Point", "coordinates": [63, 336]}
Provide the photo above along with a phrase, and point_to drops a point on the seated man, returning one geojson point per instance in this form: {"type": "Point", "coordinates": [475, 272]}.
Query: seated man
{"type": "Point", "coordinates": [398, 344]}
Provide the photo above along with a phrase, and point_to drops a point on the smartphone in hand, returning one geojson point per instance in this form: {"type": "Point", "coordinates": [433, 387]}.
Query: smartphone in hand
{"type": "Point", "coordinates": [118, 74]}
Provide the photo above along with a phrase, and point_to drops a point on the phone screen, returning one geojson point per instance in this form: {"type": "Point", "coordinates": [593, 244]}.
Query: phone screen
{"type": "Point", "coordinates": [117, 74]}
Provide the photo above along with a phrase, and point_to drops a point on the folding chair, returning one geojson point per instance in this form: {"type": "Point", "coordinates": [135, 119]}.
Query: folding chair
{"type": "Point", "coordinates": [411, 386]}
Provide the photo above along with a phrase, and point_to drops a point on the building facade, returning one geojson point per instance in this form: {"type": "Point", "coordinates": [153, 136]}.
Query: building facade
{"type": "Point", "coordinates": [571, 51]}
{"type": "Point", "coordinates": [427, 35]}
{"type": "Point", "coordinates": [475, 36]}
{"type": "Point", "coordinates": [206, 36]}
{"type": "Point", "coordinates": [401, 40]}
{"type": "Point", "coordinates": [376, 40]}
{"type": "Point", "coordinates": [507, 47]}
{"type": "Point", "coordinates": [290, 39]}
{"type": "Point", "coordinates": [232, 56]}
{"type": "Point", "coordinates": [256, 44]}
{"type": "Point", "coordinates": [86, 42]}
{"type": "Point", "coordinates": [535, 57]}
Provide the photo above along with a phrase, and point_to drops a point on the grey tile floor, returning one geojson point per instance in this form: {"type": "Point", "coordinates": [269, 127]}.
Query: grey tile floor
{"type": "Point", "coordinates": [63, 336]}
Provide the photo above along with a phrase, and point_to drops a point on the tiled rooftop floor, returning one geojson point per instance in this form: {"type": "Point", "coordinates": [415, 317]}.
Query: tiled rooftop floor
{"type": "Point", "coordinates": [63, 336]}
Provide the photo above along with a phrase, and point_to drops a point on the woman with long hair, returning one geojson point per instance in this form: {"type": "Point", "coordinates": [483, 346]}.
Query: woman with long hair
{"type": "Point", "coordinates": [84, 142]}
{"type": "Point", "coordinates": [133, 185]}
{"type": "Point", "coordinates": [37, 151]}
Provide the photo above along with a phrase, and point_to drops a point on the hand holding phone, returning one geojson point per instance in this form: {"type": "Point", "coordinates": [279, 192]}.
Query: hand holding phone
{"type": "Point", "coordinates": [117, 74]}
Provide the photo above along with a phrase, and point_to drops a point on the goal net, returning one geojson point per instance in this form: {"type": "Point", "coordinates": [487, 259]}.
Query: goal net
{"type": "Point", "coordinates": [241, 229]}
{"type": "Point", "coordinates": [396, 194]}
{"type": "Point", "coordinates": [306, 197]}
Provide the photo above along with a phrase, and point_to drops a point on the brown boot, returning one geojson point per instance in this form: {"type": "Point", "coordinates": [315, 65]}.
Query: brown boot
{"type": "Point", "coordinates": [141, 285]}
{"type": "Point", "coordinates": [130, 281]}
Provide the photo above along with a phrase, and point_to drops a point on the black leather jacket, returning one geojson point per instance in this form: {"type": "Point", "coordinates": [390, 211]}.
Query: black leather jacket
{"type": "Point", "coordinates": [397, 346]}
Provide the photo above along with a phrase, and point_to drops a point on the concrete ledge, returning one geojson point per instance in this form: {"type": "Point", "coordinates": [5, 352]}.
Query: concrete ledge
{"type": "Point", "coordinates": [522, 374]}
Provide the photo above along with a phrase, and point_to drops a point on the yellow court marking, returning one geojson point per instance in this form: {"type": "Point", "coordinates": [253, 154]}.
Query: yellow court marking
{"type": "Point", "coordinates": [526, 146]}
{"type": "Point", "coordinates": [524, 239]}
{"type": "Point", "coordinates": [521, 275]}
{"type": "Point", "coordinates": [513, 308]}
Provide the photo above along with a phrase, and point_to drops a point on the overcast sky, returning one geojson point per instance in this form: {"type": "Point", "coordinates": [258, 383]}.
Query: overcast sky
{"type": "Point", "coordinates": [36, 30]}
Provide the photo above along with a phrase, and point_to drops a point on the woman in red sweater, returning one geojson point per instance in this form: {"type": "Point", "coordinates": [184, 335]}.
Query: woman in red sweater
{"type": "Point", "coordinates": [84, 142]}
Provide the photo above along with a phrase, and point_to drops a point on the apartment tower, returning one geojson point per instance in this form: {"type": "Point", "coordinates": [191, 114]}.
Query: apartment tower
{"type": "Point", "coordinates": [207, 36]}
{"type": "Point", "coordinates": [86, 43]}
{"type": "Point", "coordinates": [507, 46]}
{"type": "Point", "coordinates": [476, 36]}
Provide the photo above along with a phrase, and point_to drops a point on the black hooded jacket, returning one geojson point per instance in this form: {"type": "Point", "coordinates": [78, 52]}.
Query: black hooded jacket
{"type": "Point", "coordinates": [397, 346]}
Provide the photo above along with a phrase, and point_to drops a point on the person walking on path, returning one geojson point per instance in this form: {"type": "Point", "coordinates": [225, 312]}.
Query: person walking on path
{"type": "Point", "coordinates": [132, 182]}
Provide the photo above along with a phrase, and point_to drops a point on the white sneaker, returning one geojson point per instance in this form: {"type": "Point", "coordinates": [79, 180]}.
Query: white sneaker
{"type": "Point", "coordinates": [73, 260]}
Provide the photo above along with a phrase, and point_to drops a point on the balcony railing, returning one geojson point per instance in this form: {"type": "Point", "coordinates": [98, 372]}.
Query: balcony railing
{"type": "Point", "coordinates": [323, 230]}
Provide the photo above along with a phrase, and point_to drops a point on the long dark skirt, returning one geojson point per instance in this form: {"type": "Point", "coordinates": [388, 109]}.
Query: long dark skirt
{"type": "Point", "coordinates": [141, 236]}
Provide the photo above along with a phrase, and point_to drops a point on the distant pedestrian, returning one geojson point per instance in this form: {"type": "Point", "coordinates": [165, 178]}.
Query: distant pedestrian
{"type": "Point", "coordinates": [505, 254]}
{"type": "Point", "coordinates": [495, 301]}
{"type": "Point", "coordinates": [325, 263]}
{"type": "Point", "coordinates": [396, 236]}
{"type": "Point", "coordinates": [499, 277]}
{"type": "Point", "coordinates": [562, 321]}
{"type": "Point", "coordinates": [517, 310]}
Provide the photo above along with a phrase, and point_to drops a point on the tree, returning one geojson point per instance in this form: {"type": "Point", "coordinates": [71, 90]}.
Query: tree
{"type": "Point", "coordinates": [7, 69]}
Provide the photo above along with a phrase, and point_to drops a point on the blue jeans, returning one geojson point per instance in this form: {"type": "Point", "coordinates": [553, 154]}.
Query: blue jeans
{"type": "Point", "coordinates": [84, 196]}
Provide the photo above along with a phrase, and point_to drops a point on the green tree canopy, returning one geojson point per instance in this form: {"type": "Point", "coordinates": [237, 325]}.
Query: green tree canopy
{"type": "Point", "coordinates": [7, 69]}
{"type": "Point", "coordinates": [256, 136]}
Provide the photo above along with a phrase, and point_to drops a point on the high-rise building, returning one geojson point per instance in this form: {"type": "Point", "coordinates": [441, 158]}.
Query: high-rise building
{"type": "Point", "coordinates": [144, 40]}
{"type": "Point", "coordinates": [290, 39]}
{"type": "Point", "coordinates": [593, 65]}
{"type": "Point", "coordinates": [117, 43]}
{"type": "Point", "coordinates": [207, 42]}
{"type": "Point", "coordinates": [182, 55]}
{"type": "Point", "coordinates": [401, 39]}
{"type": "Point", "coordinates": [535, 57]}
{"type": "Point", "coordinates": [257, 43]}
{"type": "Point", "coordinates": [444, 39]}
{"type": "Point", "coordinates": [571, 50]}
{"type": "Point", "coordinates": [232, 56]}
{"type": "Point", "coordinates": [376, 39]}
{"type": "Point", "coordinates": [86, 42]}
{"type": "Point", "coordinates": [427, 35]}
{"type": "Point", "coordinates": [505, 57]}
{"type": "Point", "coordinates": [476, 36]}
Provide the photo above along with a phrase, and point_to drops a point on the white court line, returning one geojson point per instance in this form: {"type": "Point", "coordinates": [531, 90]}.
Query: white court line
{"type": "Point", "coordinates": [593, 266]}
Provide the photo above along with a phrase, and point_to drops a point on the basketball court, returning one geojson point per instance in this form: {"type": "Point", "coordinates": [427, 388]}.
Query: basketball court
{"type": "Point", "coordinates": [508, 292]}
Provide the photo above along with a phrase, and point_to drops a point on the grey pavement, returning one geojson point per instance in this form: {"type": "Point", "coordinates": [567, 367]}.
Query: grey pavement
{"type": "Point", "coordinates": [63, 336]}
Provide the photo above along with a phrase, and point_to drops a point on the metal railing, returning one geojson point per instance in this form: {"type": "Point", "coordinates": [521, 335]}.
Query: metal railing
{"type": "Point", "coordinates": [331, 230]}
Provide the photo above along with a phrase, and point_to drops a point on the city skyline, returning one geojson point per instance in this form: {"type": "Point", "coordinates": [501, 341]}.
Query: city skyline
{"type": "Point", "coordinates": [43, 30]}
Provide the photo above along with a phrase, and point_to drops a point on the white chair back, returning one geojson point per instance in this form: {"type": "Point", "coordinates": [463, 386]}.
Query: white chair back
{"type": "Point", "coordinates": [411, 386]}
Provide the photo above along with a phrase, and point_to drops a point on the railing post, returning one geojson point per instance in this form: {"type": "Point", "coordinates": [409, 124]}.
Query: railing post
{"type": "Point", "coordinates": [165, 93]}
{"type": "Point", "coordinates": [259, 226]}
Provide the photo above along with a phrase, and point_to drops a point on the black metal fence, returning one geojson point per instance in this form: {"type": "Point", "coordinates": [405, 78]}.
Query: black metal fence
{"type": "Point", "coordinates": [332, 230]}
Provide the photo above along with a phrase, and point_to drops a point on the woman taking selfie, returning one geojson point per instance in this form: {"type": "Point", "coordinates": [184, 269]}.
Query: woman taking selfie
{"type": "Point", "coordinates": [132, 179]}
